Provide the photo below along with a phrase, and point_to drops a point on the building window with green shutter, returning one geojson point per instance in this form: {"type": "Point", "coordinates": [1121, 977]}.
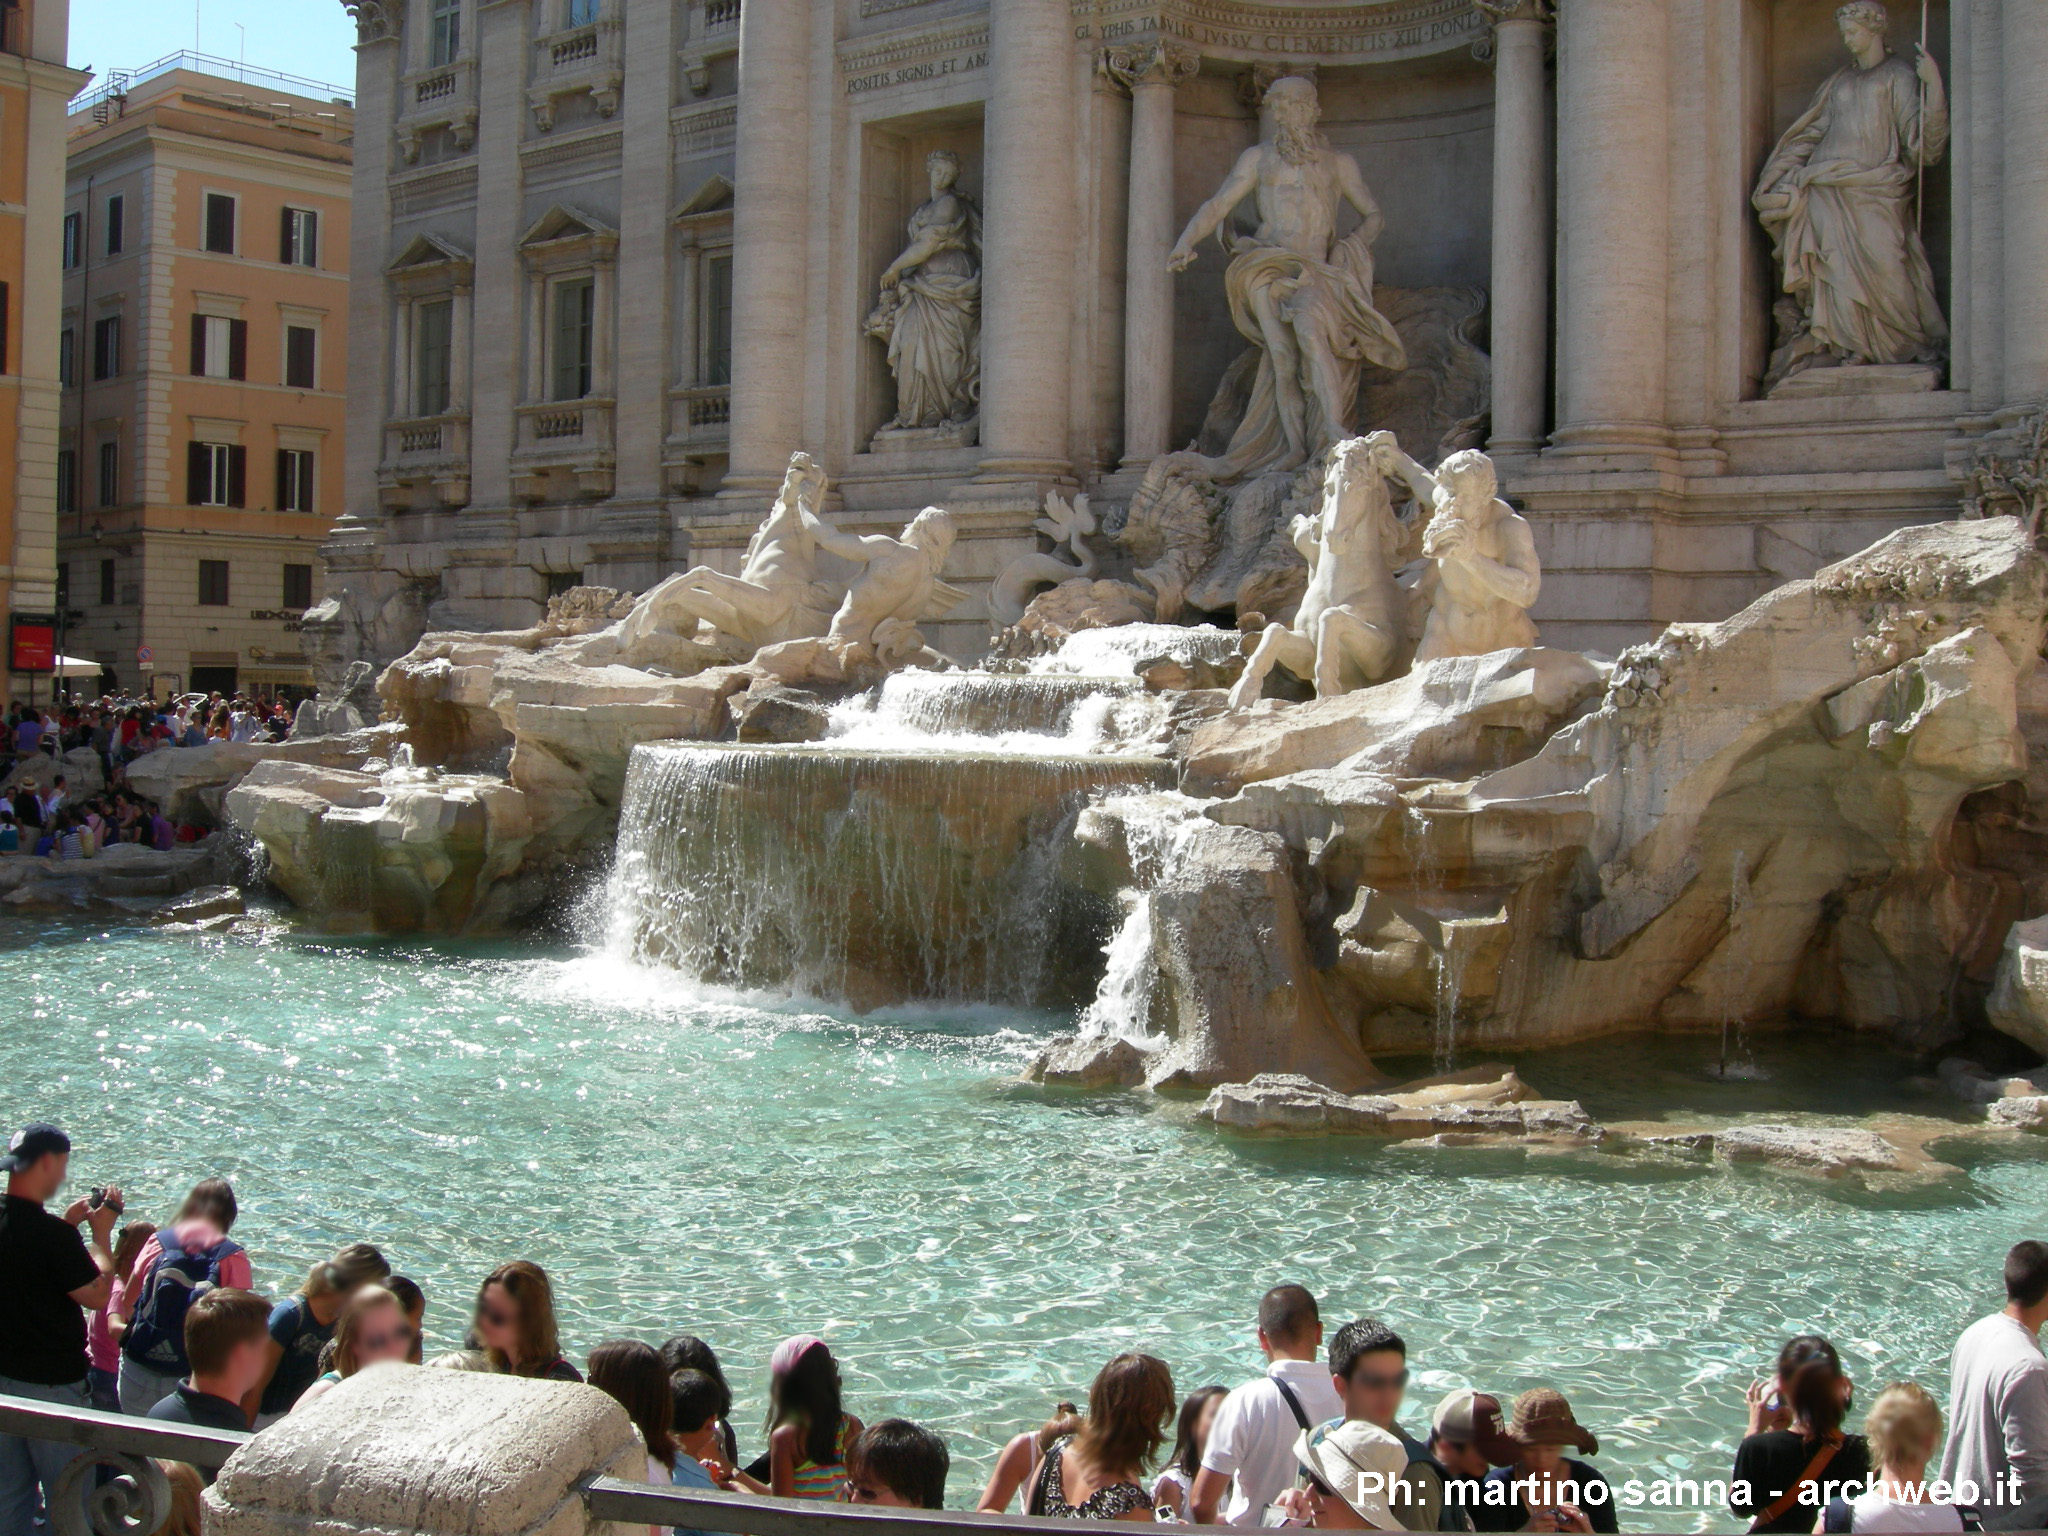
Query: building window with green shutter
{"type": "Point", "coordinates": [301, 243]}
{"type": "Point", "coordinates": [300, 343]}
{"type": "Point", "coordinates": [575, 301]}
{"type": "Point", "coordinates": [294, 480]}
{"type": "Point", "coordinates": [718, 319]}
{"type": "Point", "coordinates": [213, 583]}
{"type": "Point", "coordinates": [434, 352]}
{"type": "Point", "coordinates": [298, 587]}
{"type": "Point", "coordinates": [220, 223]}
{"type": "Point", "coordinates": [216, 474]}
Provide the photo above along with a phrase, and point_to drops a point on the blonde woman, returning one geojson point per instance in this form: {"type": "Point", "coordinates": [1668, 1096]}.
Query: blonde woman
{"type": "Point", "coordinates": [1904, 1430]}
{"type": "Point", "coordinates": [301, 1325]}
{"type": "Point", "coordinates": [373, 1327]}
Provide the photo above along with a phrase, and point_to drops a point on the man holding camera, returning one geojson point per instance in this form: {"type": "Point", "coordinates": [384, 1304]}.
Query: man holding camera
{"type": "Point", "coordinates": [48, 1273]}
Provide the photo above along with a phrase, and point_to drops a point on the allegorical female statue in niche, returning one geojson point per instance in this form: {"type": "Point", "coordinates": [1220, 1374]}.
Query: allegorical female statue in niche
{"type": "Point", "coordinates": [1838, 197]}
{"type": "Point", "coordinates": [930, 309]}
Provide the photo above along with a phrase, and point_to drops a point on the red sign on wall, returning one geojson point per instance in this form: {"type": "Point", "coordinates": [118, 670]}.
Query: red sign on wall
{"type": "Point", "coordinates": [32, 642]}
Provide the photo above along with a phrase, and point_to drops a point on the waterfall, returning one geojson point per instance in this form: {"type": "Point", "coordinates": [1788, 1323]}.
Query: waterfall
{"type": "Point", "coordinates": [1154, 828]}
{"type": "Point", "coordinates": [872, 876]}
{"type": "Point", "coordinates": [1736, 1061]}
{"type": "Point", "coordinates": [1450, 982]}
{"type": "Point", "coordinates": [1002, 712]}
{"type": "Point", "coordinates": [1120, 649]}
{"type": "Point", "coordinates": [345, 851]}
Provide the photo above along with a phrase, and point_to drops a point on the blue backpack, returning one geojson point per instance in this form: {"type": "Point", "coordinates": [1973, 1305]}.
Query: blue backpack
{"type": "Point", "coordinates": [156, 1323]}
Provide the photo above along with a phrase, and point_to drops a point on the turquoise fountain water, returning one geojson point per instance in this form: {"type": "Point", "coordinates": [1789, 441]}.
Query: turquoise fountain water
{"type": "Point", "coordinates": [680, 1160]}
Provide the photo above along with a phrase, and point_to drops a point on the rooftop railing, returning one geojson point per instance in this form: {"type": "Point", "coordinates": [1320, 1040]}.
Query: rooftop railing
{"type": "Point", "coordinates": [123, 82]}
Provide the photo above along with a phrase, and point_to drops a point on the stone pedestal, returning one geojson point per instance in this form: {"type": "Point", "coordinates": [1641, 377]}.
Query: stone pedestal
{"type": "Point", "coordinates": [771, 232]}
{"type": "Point", "coordinates": [1152, 72]}
{"type": "Point", "coordinates": [1521, 233]}
{"type": "Point", "coordinates": [437, 1453]}
{"type": "Point", "coordinates": [1027, 242]}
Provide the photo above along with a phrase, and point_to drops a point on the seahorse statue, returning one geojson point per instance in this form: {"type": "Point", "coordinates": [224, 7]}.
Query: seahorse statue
{"type": "Point", "coordinates": [1065, 524]}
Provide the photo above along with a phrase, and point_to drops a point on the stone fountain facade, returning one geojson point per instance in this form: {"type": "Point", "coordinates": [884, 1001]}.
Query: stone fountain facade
{"type": "Point", "coordinates": [630, 265]}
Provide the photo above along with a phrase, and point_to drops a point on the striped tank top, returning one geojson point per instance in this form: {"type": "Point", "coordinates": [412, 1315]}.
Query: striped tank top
{"type": "Point", "coordinates": [826, 1481]}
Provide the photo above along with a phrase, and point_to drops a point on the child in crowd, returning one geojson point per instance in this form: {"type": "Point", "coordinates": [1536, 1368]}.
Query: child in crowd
{"type": "Point", "coordinates": [414, 1301]}
{"type": "Point", "coordinates": [372, 1329]}
{"type": "Point", "coordinates": [898, 1464]}
{"type": "Point", "coordinates": [1904, 1430]}
{"type": "Point", "coordinates": [808, 1431]}
{"type": "Point", "coordinates": [1176, 1481]}
{"type": "Point", "coordinates": [687, 1352]}
{"type": "Point", "coordinates": [104, 1328]}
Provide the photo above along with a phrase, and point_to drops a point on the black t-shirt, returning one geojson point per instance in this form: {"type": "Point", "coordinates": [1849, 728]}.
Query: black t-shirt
{"type": "Point", "coordinates": [42, 1261]}
{"type": "Point", "coordinates": [1511, 1516]}
{"type": "Point", "coordinates": [1772, 1462]}
{"type": "Point", "coordinates": [185, 1406]}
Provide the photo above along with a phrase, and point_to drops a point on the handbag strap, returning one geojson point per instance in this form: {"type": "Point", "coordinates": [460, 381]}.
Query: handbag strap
{"type": "Point", "coordinates": [1293, 1402]}
{"type": "Point", "coordinates": [1830, 1443]}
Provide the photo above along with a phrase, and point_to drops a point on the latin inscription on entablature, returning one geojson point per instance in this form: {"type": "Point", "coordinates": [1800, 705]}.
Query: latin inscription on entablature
{"type": "Point", "coordinates": [914, 58]}
{"type": "Point", "coordinates": [1360, 33]}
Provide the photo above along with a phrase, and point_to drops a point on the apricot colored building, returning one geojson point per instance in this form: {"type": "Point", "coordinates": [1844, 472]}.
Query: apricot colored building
{"type": "Point", "coordinates": [34, 87]}
{"type": "Point", "coordinates": [205, 250]}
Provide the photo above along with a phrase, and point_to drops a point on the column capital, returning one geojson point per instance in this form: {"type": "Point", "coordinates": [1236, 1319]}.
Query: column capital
{"type": "Point", "coordinates": [1162, 61]}
{"type": "Point", "coordinates": [376, 21]}
{"type": "Point", "coordinates": [1499, 13]}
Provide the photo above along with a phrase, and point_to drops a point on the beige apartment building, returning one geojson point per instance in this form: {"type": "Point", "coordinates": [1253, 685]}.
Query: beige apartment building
{"type": "Point", "coordinates": [205, 250]}
{"type": "Point", "coordinates": [34, 86]}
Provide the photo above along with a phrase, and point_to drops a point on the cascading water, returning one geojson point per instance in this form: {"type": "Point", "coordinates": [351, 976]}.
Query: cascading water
{"type": "Point", "coordinates": [922, 851]}
{"type": "Point", "coordinates": [1122, 1008]}
{"type": "Point", "coordinates": [1736, 1060]}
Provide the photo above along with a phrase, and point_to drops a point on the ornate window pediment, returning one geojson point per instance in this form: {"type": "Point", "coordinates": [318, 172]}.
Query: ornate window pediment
{"type": "Point", "coordinates": [714, 196]}
{"type": "Point", "coordinates": [567, 236]}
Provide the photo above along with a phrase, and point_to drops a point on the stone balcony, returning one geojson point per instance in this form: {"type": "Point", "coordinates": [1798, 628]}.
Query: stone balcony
{"type": "Point", "coordinates": [578, 61]}
{"type": "Point", "coordinates": [700, 426]}
{"type": "Point", "coordinates": [440, 98]}
{"type": "Point", "coordinates": [562, 451]}
{"type": "Point", "coordinates": [425, 464]}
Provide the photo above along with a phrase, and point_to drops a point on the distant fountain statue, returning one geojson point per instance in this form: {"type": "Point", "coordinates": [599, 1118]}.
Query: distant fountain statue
{"type": "Point", "coordinates": [776, 596]}
{"type": "Point", "coordinates": [1481, 576]}
{"type": "Point", "coordinates": [1068, 525]}
{"type": "Point", "coordinates": [1350, 623]}
{"type": "Point", "coordinates": [929, 312]}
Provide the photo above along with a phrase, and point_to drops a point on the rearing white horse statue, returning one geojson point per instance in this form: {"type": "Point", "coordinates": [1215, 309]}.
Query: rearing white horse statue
{"type": "Point", "coordinates": [1349, 626]}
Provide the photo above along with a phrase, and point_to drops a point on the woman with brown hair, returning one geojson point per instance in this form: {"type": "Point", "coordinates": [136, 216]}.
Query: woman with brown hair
{"type": "Point", "coordinates": [1094, 1474]}
{"type": "Point", "coordinates": [373, 1327]}
{"type": "Point", "coordinates": [515, 1324]}
{"type": "Point", "coordinates": [632, 1374]}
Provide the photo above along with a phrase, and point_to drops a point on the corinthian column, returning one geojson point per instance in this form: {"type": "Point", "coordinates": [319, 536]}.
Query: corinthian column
{"type": "Point", "coordinates": [1152, 72]}
{"type": "Point", "coordinates": [1521, 224]}
{"type": "Point", "coordinates": [1613, 212]}
{"type": "Point", "coordinates": [770, 226]}
{"type": "Point", "coordinates": [1027, 241]}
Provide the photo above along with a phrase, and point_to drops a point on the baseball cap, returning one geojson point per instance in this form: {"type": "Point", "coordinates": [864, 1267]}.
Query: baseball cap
{"type": "Point", "coordinates": [30, 1143]}
{"type": "Point", "coordinates": [1341, 1456]}
{"type": "Point", "coordinates": [1474, 1418]}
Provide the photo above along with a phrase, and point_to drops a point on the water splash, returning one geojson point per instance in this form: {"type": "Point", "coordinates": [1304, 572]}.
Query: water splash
{"type": "Point", "coordinates": [1452, 955]}
{"type": "Point", "coordinates": [1155, 828]}
{"type": "Point", "coordinates": [999, 712]}
{"type": "Point", "coordinates": [1121, 649]}
{"type": "Point", "coordinates": [1738, 1063]}
{"type": "Point", "coordinates": [868, 876]}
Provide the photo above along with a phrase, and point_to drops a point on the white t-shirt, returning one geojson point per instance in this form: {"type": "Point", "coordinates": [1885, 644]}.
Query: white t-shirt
{"type": "Point", "coordinates": [1253, 1437]}
{"type": "Point", "coordinates": [1872, 1511]}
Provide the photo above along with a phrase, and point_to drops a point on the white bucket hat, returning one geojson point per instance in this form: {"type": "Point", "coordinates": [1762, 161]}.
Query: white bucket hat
{"type": "Point", "coordinates": [1360, 1462]}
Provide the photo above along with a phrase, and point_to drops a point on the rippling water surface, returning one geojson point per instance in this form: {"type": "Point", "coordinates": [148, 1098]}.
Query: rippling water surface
{"type": "Point", "coordinates": [972, 1250]}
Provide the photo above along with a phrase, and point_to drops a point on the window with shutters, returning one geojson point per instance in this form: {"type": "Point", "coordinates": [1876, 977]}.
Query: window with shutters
{"type": "Point", "coordinates": [301, 242]}
{"type": "Point", "coordinates": [117, 225]}
{"type": "Point", "coordinates": [110, 473]}
{"type": "Point", "coordinates": [300, 344]}
{"type": "Point", "coordinates": [444, 34]}
{"type": "Point", "coordinates": [213, 583]}
{"type": "Point", "coordinates": [106, 347]}
{"type": "Point", "coordinates": [298, 586]}
{"type": "Point", "coordinates": [73, 243]}
{"type": "Point", "coordinates": [574, 312]}
{"type": "Point", "coordinates": [67, 479]}
{"type": "Point", "coordinates": [434, 337]}
{"type": "Point", "coordinates": [582, 12]}
{"type": "Point", "coordinates": [67, 357]}
{"type": "Point", "coordinates": [718, 320]}
{"type": "Point", "coordinates": [220, 223]}
{"type": "Point", "coordinates": [216, 474]}
{"type": "Point", "coordinates": [294, 480]}
{"type": "Point", "coordinates": [106, 583]}
{"type": "Point", "coordinates": [220, 347]}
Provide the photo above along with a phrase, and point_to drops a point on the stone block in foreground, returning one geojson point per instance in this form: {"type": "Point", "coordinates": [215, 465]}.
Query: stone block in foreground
{"type": "Point", "coordinates": [437, 1453]}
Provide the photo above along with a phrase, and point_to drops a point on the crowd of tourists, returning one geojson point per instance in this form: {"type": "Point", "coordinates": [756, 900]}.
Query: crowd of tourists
{"type": "Point", "coordinates": [162, 1321]}
{"type": "Point", "coordinates": [39, 815]}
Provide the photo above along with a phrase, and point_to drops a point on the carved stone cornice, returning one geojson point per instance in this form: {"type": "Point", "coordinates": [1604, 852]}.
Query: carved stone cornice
{"type": "Point", "coordinates": [1162, 61]}
{"type": "Point", "coordinates": [1331, 32]}
{"type": "Point", "coordinates": [377, 21]}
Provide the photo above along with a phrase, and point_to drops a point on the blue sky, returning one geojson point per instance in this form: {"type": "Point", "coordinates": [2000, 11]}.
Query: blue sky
{"type": "Point", "coordinates": [313, 38]}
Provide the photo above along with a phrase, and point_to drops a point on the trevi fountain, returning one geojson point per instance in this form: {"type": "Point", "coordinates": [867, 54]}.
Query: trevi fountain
{"type": "Point", "coordinates": [990, 950]}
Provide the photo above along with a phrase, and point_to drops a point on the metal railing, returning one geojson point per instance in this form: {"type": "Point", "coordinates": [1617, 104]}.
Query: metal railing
{"type": "Point", "coordinates": [210, 64]}
{"type": "Point", "coordinates": [135, 1496]}
{"type": "Point", "coordinates": [611, 1498]}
